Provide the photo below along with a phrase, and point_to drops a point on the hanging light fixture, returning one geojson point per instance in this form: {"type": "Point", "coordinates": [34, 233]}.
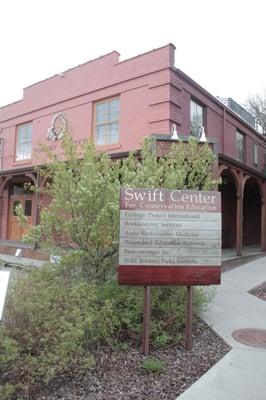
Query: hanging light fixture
{"type": "Point", "coordinates": [174, 135]}
{"type": "Point", "coordinates": [203, 138]}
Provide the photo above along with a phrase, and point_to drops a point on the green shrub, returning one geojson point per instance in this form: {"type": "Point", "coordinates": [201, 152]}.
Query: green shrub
{"type": "Point", "coordinates": [54, 319]}
{"type": "Point", "coordinates": [152, 366]}
{"type": "Point", "coordinates": [44, 330]}
{"type": "Point", "coordinates": [56, 315]}
{"type": "Point", "coordinates": [7, 391]}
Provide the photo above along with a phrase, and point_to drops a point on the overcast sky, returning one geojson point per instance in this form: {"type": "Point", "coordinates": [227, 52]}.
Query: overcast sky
{"type": "Point", "coordinates": [220, 44]}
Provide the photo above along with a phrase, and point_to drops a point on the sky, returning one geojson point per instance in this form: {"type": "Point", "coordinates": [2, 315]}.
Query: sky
{"type": "Point", "coordinates": [219, 44]}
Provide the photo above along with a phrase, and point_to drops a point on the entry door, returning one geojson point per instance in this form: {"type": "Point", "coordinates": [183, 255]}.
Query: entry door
{"type": "Point", "coordinates": [16, 230]}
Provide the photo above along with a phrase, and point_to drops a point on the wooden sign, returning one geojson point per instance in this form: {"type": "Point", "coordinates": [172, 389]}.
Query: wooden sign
{"type": "Point", "coordinates": [169, 237]}
{"type": "Point", "coordinates": [4, 279]}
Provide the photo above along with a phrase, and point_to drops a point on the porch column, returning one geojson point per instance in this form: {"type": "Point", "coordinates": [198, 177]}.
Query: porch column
{"type": "Point", "coordinates": [35, 219]}
{"type": "Point", "coordinates": [4, 220]}
{"type": "Point", "coordinates": [239, 225]}
{"type": "Point", "coordinates": [35, 203]}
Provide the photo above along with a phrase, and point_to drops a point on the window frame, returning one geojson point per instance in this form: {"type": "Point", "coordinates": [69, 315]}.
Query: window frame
{"type": "Point", "coordinates": [26, 142]}
{"type": "Point", "coordinates": [202, 106]}
{"type": "Point", "coordinates": [241, 159]}
{"type": "Point", "coordinates": [106, 123]}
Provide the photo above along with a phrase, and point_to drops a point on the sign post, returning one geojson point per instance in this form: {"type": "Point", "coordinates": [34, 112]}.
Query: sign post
{"type": "Point", "coordinates": [169, 237]}
{"type": "Point", "coordinates": [188, 328]}
{"type": "Point", "coordinates": [146, 320]}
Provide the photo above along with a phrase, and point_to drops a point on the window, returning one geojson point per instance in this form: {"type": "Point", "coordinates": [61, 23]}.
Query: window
{"type": "Point", "coordinates": [21, 188]}
{"type": "Point", "coordinates": [15, 205]}
{"type": "Point", "coordinates": [240, 151]}
{"type": "Point", "coordinates": [106, 121]}
{"type": "Point", "coordinates": [27, 208]}
{"type": "Point", "coordinates": [196, 119]}
{"type": "Point", "coordinates": [255, 154]}
{"type": "Point", "coordinates": [24, 142]}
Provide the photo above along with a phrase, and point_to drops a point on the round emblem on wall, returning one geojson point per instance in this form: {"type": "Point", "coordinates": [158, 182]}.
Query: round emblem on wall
{"type": "Point", "coordinates": [58, 128]}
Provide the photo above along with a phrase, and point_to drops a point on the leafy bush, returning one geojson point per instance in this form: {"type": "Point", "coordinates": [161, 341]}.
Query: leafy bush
{"type": "Point", "coordinates": [55, 320]}
{"type": "Point", "coordinates": [7, 391]}
{"type": "Point", "coordinates": [56, 316]}
{"type": "Point", "coordinates": [152, 366]}
{"type": "Point", "coordinates": [83, 215]}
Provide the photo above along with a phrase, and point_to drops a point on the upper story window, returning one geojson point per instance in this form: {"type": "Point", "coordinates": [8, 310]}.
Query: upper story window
{"type": "Point", "coordinates": [196, 119]}
{"type": "Point", "coordinates": [240, 147]}
{"type": "Point", "coordinates": [106, 121]}
{"type": "Point", "coordinates": [255, 154]}
{"type": "Point", "coordinates": [24, 142]}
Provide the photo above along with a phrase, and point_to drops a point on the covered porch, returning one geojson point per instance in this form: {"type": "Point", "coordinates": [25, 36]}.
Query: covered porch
{"type": "Point", "coordinates": [243, 208]}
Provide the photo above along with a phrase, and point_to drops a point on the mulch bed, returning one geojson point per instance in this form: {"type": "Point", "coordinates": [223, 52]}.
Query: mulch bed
{"type": "Point", "coordinates": [259, 291]}
{"type": "Point", "coordinates": [117, 375]}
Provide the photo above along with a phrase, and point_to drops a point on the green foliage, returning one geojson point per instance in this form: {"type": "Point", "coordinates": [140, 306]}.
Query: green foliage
{"type": "Point", "coordinates": [186, 166]}
{"type": "Point", "coordinates": [152, 366]}
{"type": "Point", "coordinates": [189, 166]}
{"type": "Point", "coordinates": [82, 219]}
{"type": "Point", "coordinates": [7, 391]}
{"type": "Point", "coordinates": [9, 350]}
{"type": "Point", "coordinates": [47, 318]}
{"type": "Point", "coordinates": [83, 213]}
{"type": "Point", "coordinates": [57, 315]}
{"type": "Point", "coordinates": [55, 320]}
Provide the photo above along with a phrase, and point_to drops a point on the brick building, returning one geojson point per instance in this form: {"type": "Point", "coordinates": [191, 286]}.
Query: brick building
{"type": "Point", "coordinates": [116, 104]}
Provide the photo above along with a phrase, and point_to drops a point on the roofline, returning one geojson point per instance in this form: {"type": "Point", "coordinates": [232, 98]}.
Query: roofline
{"type": "Point", "coordinates": [63, 72]}
{"type": "Point", "coordinates": [98, 58]}
{"type": "Point", "coordinates": [147, 52]}
{"type": "Point", "coordinates": [87, 62]}
{"type": "Point", "coordinates": [76, 66]}
{"type": "Point", "coordinates": [53, 76]}
{"type": "Point", "coordinates": [10, 104]}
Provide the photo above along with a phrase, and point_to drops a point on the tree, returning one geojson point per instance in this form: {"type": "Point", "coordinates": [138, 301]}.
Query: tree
{"type": "Point", "coordinates": [82, 219]}
{"type": "Point", "coordinates": [256, 105]}
{"type": "Point", "coordinates": [57, 313]}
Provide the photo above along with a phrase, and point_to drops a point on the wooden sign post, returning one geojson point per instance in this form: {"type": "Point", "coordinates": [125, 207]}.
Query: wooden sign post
{"type": "Point", "coordinates": [188, 327]}
{"type": "Point", "coordinates": [169, 237]}
{"type": "Point", "coordinates": [146, 320]}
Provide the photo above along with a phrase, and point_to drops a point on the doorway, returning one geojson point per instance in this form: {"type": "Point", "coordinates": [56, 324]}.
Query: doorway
{"type": "Point", "coordinates": [20, 195]}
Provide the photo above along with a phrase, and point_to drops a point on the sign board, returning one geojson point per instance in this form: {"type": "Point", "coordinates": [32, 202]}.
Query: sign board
{"type": "Point", "coordinates": [4, 279]}
{"type": "Point", "coordinates": [169, 237]}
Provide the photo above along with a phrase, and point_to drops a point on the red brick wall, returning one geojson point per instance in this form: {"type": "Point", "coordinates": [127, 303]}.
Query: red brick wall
{"type": "Point", "coordinates": [141, 82]}
{"type": "Point", "coordinates": [153, 95]}
{"type": "Point", "coordinates": [220, 124]}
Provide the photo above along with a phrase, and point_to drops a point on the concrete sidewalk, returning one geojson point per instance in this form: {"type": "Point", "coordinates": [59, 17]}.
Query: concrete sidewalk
{"type": "Point", "coordinates": [241, 374]}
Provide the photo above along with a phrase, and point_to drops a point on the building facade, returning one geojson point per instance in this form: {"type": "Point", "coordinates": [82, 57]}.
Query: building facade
{"type": "Point", "coordinates": [115, 105]}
